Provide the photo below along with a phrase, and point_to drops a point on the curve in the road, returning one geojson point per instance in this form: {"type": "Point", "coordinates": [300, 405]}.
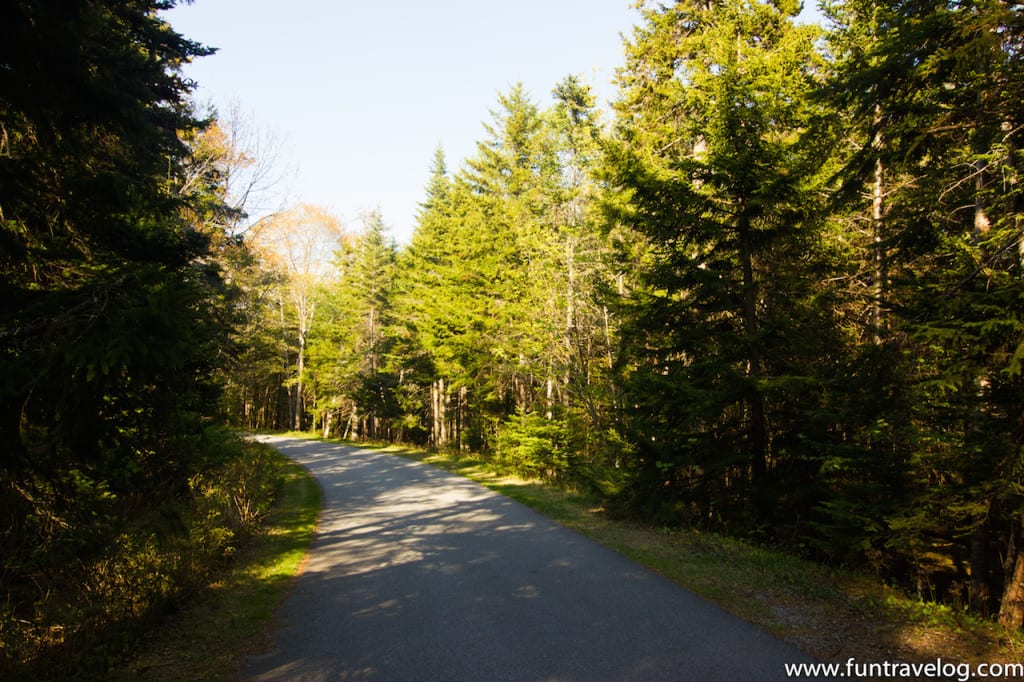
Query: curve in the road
{"type": "Point", "coordinates": [417, 574]}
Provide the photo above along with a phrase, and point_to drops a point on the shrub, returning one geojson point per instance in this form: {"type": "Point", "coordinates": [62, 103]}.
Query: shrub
{"type": "Point", "coordinates": [533, 446]}
{"type": "Point", "coordinates": [84, 568]}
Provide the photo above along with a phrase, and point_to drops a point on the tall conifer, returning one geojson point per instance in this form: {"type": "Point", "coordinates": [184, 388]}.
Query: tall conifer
{"type": "Point", "coordinates": [710, 157]}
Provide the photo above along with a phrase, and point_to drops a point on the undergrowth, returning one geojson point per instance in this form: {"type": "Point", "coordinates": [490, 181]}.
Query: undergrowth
{"type": "Point", "coordinates": [78, 598]}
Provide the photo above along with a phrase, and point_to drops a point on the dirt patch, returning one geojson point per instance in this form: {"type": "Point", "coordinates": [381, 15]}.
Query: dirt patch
{"type": "Point", "coordinates": [877, 628]}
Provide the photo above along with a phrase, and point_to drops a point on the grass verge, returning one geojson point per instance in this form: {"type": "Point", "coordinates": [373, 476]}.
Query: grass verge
{"type": "Point", "coordinates": [829, 614]}
{"type": "Point", "coordinates": [209, 637]}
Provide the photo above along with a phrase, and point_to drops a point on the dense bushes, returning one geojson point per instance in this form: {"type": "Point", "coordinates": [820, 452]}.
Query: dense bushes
{"type": "Point", "coordinates": [77, 585]}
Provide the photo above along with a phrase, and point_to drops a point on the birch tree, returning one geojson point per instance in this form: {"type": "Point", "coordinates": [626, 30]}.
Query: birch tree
{"type": "Point", "coordinates": [300, 244]}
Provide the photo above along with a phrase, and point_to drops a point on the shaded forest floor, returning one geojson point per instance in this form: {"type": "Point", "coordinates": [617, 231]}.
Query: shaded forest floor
{"type": "Point", "coordinates": [829, 614]}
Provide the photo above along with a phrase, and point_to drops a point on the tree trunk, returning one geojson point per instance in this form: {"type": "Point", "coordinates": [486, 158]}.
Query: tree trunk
{"type": "Point", "coordinates": [460, 416]}
{"type": "Point", "coordinates": [549, 399]}
{"type": "Point", "coordinates": [878, 229]}
{"type": "Point", "coordinates": [433, 414]}
{"type": "Point", "coordinates": [979, 593]}
{"type": "Point", "coordinates": [758, 439]}
{"type": "Point", "coordinates": [1011, 608]}
{"type": "Point", "coordinates": [353, 422]}
{"type": "Point", "coordinates": [301, 365]}
{"type": "Point", "coordinates": [439, 430]}
{"type": "Point", "coordinates": [285, 367]}
{"type": "Point", "coordinates": [327, 423]}
{"type": "Point", "coordinates": [570, 297]}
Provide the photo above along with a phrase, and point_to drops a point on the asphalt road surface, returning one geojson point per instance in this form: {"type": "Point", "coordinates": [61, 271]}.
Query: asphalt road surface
{"type": "Point", "coordinates": [417, 574]}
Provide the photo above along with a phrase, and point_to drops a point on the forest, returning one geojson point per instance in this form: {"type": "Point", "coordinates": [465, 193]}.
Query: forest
{"type": "Point", "coordinates": [775, 291]}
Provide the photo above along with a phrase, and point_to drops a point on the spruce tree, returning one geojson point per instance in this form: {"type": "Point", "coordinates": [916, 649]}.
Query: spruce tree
{"type": "Point", "coordinates": [113, 310]}
{"type": "Point", "coordinates": [934, 89]}
{"type": "Point", "coordinates": [711, 158]}
{"type": "Point", "coordinates": [106, 339]}
{"type": "Point", "coordinates": [351, 342]}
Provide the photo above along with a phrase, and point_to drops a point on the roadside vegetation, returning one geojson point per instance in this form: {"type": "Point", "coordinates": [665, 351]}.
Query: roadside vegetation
{"type": "Point", "coordinates": [208, 638]}
{"type": "Point", "coordinates": [179, 587]}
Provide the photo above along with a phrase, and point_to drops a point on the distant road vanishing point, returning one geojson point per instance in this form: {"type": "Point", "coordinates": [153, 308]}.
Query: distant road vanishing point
{"type": "Point", "coordinates": [417, 574]}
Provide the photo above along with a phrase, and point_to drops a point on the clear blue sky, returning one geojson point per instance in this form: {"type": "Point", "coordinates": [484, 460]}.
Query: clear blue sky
{"type": "Point", "coordinates": [363, 92]}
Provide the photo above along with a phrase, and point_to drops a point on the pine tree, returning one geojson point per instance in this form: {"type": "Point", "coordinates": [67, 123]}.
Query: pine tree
{"type": "Point", "coordinates": [942, 118]}
{"type": "Point", "coordinates": [466, 277]}
{"type": "Point", "coordinates": [351, 343]}
{"type": "Point", "coordinates": [432, 308]}
{"type": "Point", "coordinates": [114, 313]}
{"type": "Point", "coordinates": [711, 156]}
{"type": "Point", "coordinates": [568, 361]}
{"type": "Point", "coordinates": [106, 342]}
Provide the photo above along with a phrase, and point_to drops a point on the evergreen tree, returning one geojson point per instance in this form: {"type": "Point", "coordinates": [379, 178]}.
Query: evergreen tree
{"type": "Point", "coordinates": [712, 158]}
{"type": "Point", "coordinates": [466, 278]}
{"type": "Point", "coordinates": [946, 101]}
{"type": "Point", "coordinates": [114, 313]}
{"type": "Point", "coordinates": [351, 343]}
{"type": "Point", "coordinates": [568, 358]}
{"type": "Point", "coordinates": [436, 303]}
{"type": "Point", "coordinates": [107, 343]}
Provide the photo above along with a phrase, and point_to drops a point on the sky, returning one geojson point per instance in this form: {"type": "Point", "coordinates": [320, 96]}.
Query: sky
{"type": "Point", "coordinates": [361, 93]}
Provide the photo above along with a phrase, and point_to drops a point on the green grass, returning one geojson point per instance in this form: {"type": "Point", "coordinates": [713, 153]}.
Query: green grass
{"type": "Point", "coordinates": [208, 639]}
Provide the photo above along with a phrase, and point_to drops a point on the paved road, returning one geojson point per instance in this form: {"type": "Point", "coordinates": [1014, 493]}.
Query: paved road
{"type": "Point", "coordinates": [417, 574]}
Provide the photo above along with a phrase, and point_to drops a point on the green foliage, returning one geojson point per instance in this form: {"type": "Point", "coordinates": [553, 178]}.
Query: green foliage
{"type": "Point", "coordinates": [714, 158]}
{"type": "Point", "coordinates": [932, 91]}
{"type": "Point", "coordinates": [116, 316]}
{"type": "Point", "coordinates": [253, 374]}
{"type": "Point", "coordinates": [75, 599]}
{"type": "Point", "coordinates": [496, 295]}
{"type": "Point", "coordinates": [114, 310]}
{"type": "Point", "coordinates": [351, 344]}
{"type": "Point", "coordinates": [534, 446]}
{"type": "Point", "coordinates": [778, 296]}
{"type": "Point", "coordinates": [231, 502]}
{"type": "Point", "coordinates": [208, 638]}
